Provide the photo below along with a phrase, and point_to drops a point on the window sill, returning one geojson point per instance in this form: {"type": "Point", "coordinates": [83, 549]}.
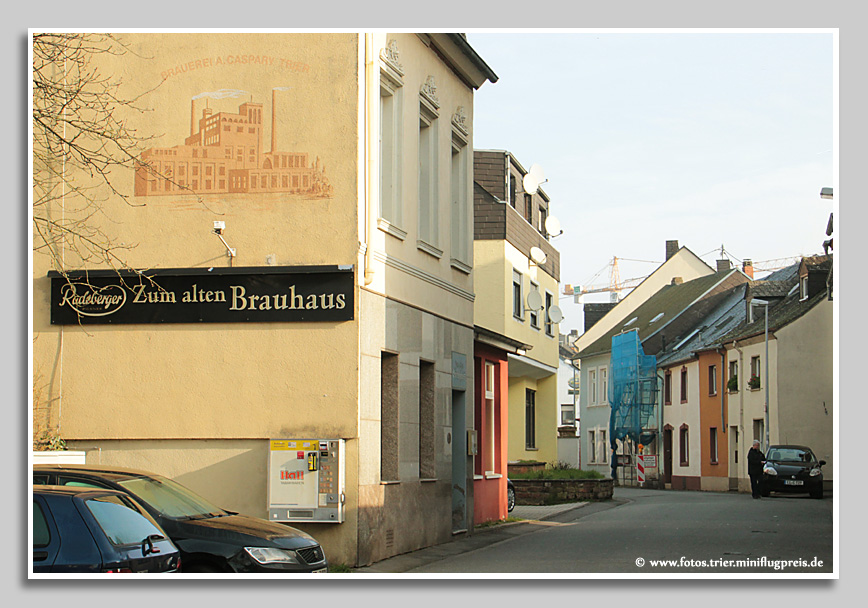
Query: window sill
{"type": "Point", "coordinates": [492, 475]}
{"type": "Point", "coordinates": [428, 479]}
{"type": "Point", "coordinates": [429, 249]}
{"type": "Point", "coordinates": [478, 477]}
{"type": "Point", "coordinates": [527, 449]}
{"type": "Point", "coordinates": [391, 229]}
{"type": "Point", "coordinates": [753, 390]}
{"type": "Point", "coordinates": [461, 266]}
{"type": "Point", "coordinates": [389, 483]}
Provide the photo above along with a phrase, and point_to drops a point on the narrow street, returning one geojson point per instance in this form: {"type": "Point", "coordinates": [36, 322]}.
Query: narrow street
{"type": "Point", "coordinates": [695, 532]}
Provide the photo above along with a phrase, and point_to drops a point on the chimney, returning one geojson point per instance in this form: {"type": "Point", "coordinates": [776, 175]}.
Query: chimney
{"type": "Point", "coordinates": [723, 265]}
{"type": "Point", "coordinates": [192, 117]}
{"type": "Point", "coordinates": [671, 248]}
{"type": "Point", "coordinates": [677, 280]}
{"type": "Point", "coordinates": [747, 267]}
{"type": "Point", "coordinates": [273, 120]}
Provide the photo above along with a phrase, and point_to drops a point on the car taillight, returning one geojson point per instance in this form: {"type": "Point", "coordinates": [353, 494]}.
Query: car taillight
{"type": "Point", "coordinates": [118, 570]}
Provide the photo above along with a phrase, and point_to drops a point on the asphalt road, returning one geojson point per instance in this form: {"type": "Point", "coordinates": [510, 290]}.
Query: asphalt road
{"type": "Point", "coordinates": [696, 532]}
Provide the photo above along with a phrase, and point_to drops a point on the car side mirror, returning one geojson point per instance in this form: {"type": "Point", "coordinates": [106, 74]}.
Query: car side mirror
{"type": "Point", "coordinates": [822, 462]}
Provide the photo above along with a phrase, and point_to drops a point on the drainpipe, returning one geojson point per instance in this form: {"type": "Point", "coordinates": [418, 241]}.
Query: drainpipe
{"type": "Point", "coordinates": [369, 108]}
{"type": "Point", "coordinates": [723, 392]}
{"type": "Point", "coordinates": [740, 399]}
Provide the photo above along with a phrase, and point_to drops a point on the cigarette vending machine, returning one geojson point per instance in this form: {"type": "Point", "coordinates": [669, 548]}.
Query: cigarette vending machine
{"type": "Point", "coordinates": [306, 480]}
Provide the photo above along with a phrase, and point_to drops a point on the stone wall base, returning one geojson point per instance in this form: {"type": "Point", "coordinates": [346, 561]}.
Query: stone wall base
{"type": "Point", "coordinates": [559, 491]}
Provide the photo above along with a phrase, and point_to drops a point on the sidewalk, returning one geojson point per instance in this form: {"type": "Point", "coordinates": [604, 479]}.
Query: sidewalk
{"type": "Point", "coordinates": [533, 517]}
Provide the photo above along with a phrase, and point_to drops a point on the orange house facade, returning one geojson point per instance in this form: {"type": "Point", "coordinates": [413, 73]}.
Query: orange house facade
{"type": "Point", "coordinates": [491, 415]}
{"type": "Point", "coordinates": [713, 425]}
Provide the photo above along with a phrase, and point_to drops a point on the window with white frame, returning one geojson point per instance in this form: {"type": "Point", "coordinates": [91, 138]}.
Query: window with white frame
{"type": "Point", "coordinates": [803, 287]}
{"type": "Point", "coordinates": [490, 463]}
{"type": "Point", "coordinates": [592, 446]}
{"type": "Point", "coordinates": [755, 370]}
{"type": "Point", "coordinates": [732, 381]}
{"type": "Point", "coordinates": [517, 292]}
{"type": "Point", "coordinates": [604, 385]}
{"type": "Point", "coordinates": [391, 138]}
{"type": "Point", "coordinates": [602, 448]}
{"type": "Point", "coordinates": [550, 327]}
{"type": "Point", "coordinates": [534, 314]}
{"type": "Point", "coordinates": [712, 379]}
{"type": "Point", "coordinates": [461, 220]}
{"type": "Point", "coordinates": [429, 212]}
{"type": "Point", "coordinates": [592, 386]}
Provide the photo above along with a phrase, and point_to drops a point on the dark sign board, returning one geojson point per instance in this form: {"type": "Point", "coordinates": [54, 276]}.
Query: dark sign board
{"type": "Point", "coordinates": [270, 294]}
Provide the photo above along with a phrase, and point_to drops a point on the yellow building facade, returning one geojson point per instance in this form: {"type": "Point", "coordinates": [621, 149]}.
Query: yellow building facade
{"type": "Point", "coordinates": [260, 175]}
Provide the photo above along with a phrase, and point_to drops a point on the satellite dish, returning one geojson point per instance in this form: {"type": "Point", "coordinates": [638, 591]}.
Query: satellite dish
{"type": "Point", "coordinates": [553, 226]}
{"type": "Point", "coordinates": [534, 300]}
{"type": "Point", "coordinates": [555, 314]}
{"type": "Point", "coordinates": [533, 178]}
{"type": "Point", "coordinates": [538, 255]}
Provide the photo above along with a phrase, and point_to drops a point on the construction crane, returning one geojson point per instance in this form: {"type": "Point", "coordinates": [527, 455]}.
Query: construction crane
{"type": "Point", "coordinates": [775, 264]}
{"type": "Point", "coordinates": [615, 284]}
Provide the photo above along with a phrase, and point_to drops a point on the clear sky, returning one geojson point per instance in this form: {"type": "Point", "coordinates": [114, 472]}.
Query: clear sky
{"type": "Point", "coordinates": [711, 138]}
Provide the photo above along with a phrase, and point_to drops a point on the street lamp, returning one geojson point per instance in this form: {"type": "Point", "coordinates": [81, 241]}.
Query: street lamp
{"type": "Point", "coordinates": [758, 302]}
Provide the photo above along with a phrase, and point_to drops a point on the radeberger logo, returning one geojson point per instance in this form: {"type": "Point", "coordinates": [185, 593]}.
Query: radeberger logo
{"type": "Point", "coordinates": [93, 302]}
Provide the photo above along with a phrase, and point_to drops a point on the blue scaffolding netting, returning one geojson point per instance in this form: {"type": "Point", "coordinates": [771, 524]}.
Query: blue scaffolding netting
{"type": "Point", "coordinates": [632, 391]}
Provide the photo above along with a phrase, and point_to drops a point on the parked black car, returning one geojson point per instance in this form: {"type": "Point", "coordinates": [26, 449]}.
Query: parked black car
{"type": "Point", "coordinates": [211, 539]}
{"type": "Point", "coordinates": [86, 530]}
{"type": "Point", "coordinates": [510, 495]}
{"type": "Point", "coordinates": [792, 468]}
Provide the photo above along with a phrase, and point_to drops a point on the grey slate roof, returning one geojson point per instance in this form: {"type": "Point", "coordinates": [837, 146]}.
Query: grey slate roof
{"type": "Point", "coordinates": [780, 314]}
{"type": "Point", "coordinates": [670, 313]}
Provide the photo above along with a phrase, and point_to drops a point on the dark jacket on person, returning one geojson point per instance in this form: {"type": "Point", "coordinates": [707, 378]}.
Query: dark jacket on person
{"type": "Point", "coordinates": [755, 460]}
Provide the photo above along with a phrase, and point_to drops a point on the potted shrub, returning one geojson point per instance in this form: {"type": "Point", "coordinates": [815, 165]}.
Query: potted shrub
{"type": "Point", "coordinates": [754, 382]}
{"type": "Point", "coordinates": [732, 384]}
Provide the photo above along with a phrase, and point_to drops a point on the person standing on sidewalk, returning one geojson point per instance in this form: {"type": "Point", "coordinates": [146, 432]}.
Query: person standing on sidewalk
{"type": "Point", "coordinates": [755, 460]}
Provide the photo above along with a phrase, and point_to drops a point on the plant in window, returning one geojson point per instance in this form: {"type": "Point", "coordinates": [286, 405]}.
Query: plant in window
{"type": "Point", "coordinates": [754, 382]}
{"type": "Point", "coordinates": [732, 384]}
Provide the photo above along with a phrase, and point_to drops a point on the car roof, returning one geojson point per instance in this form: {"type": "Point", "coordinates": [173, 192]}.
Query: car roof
{"type": "Point", "coordinates": [72, 490]}
{"type": "Point", "coordinates": [790, 446]}
{"type": "Point", "coordinates": [108, 472]}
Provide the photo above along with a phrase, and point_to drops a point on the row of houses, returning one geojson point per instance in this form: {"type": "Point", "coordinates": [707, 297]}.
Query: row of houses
{"type": "Point", "coordinates": [733, 359]}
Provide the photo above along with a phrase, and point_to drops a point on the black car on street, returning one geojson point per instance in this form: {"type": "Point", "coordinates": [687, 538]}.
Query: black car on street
{"type": "Point", "coordinates": [88, 530]}
{"type": "Point", "coordinates": [792, 469]}
{"type": "Point", "coordinates": [210, 539]}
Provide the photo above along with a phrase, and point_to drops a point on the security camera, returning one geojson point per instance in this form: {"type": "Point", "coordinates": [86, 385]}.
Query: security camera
{"type": "Point", "coordinates": [219, 227]}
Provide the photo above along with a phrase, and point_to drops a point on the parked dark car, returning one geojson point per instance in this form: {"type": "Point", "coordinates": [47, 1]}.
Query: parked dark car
{"type": "Point", "coordinates": [510, 495]}
{"type": "Point", "coordinates": [211, 539]}
{"type": "Point", "coordinates": [87, 530]}
{"type": "Point", "coordinates": [793, 469]}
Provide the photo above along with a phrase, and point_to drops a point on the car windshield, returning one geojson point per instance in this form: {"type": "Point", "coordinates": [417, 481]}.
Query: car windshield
{"type": "Point", "coordinates": [171, 499]}
{"type": "Point", "coordinates": [791, 455]}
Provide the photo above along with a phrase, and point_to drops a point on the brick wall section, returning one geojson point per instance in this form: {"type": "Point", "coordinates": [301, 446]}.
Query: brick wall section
{"type": "Point", "coordinates": [523, 236]}
{"type": "Point", "coordinates": [493, 220]}
{"type": "Point", "coordinates": [558, 491]}
{"type": "Point", "coordinates": [596, 311]}
{"type": "Point", "coordinates": [489, 216]}
{"type": "Point", "coordinates": [489, 170]}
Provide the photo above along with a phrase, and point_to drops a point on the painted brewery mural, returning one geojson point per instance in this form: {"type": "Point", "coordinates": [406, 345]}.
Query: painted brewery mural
{"type": "Point", "coordinates": [224, 154]}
